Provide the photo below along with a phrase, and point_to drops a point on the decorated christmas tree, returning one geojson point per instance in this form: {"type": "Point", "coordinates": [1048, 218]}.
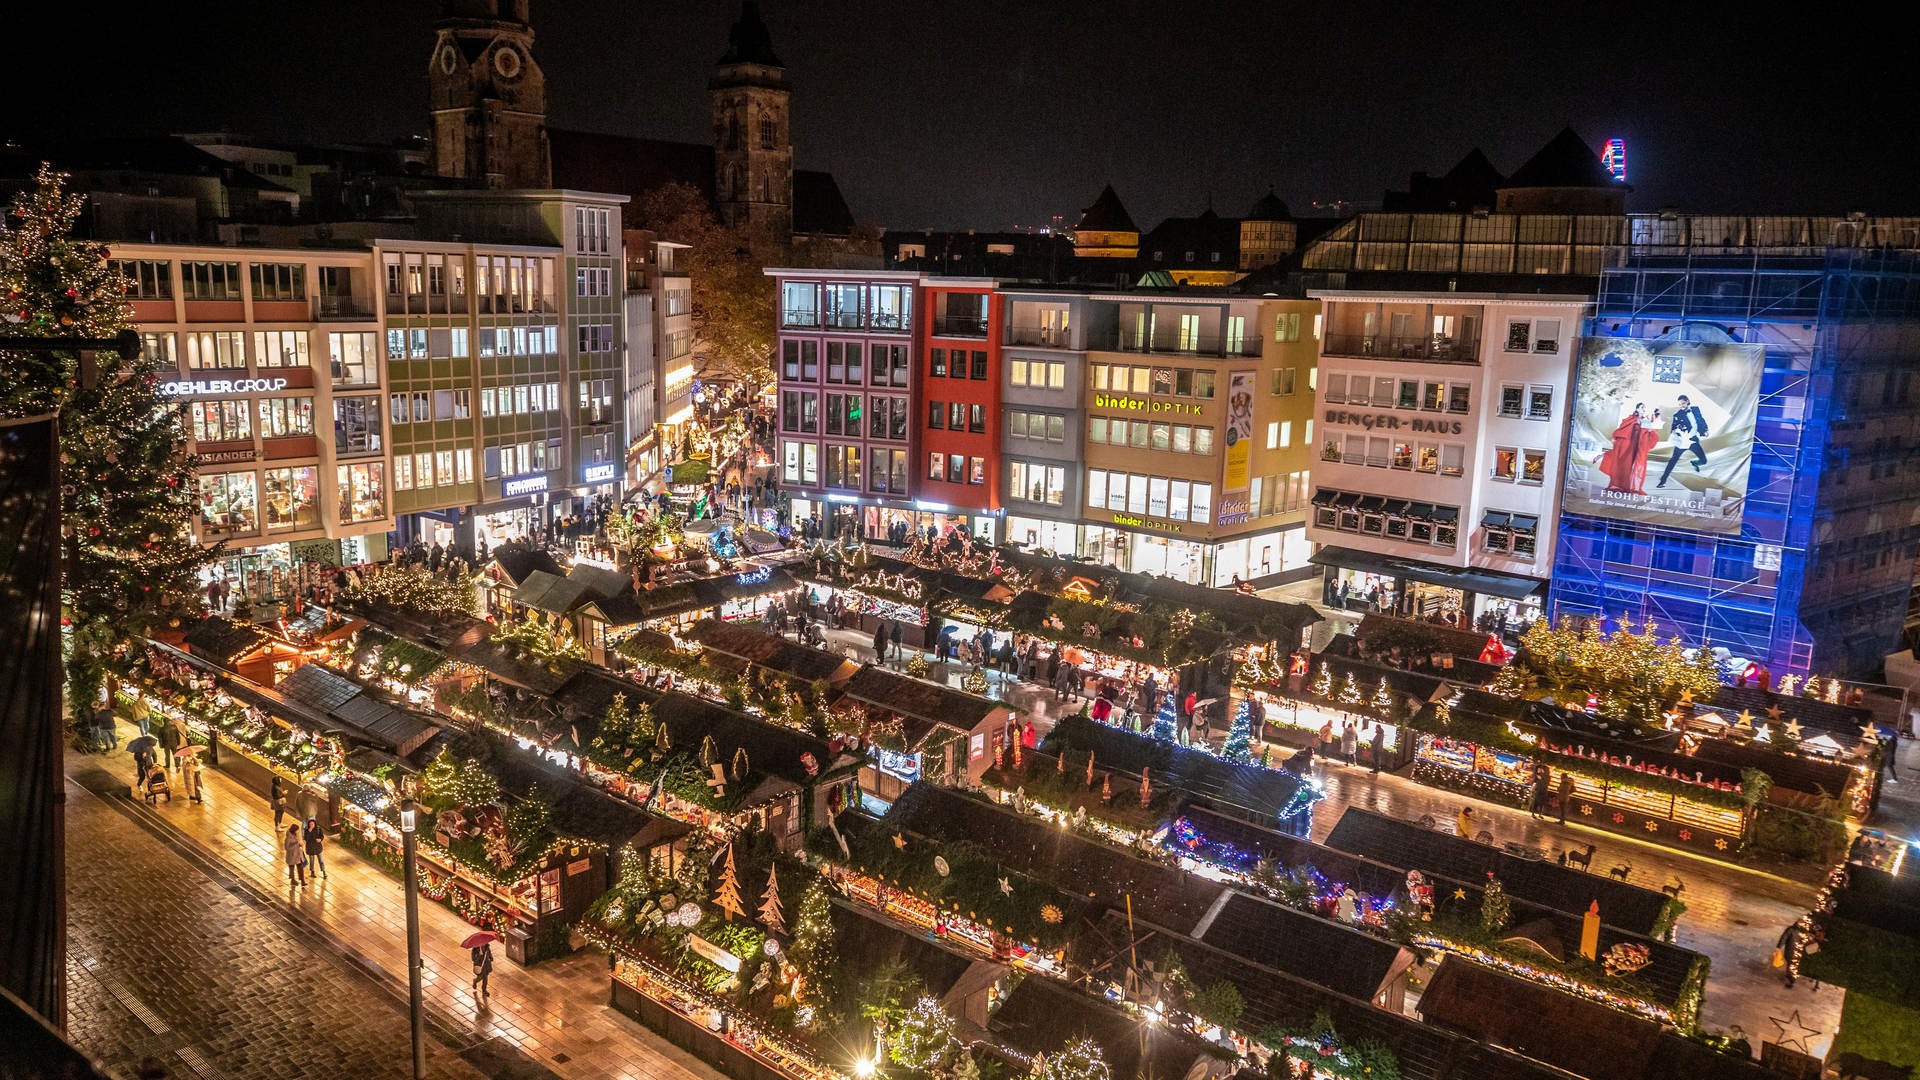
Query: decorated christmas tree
{"type": "Point", "coordinates": [1323, 681]}
{"type": "Point", "coordinates": [1383, 698]}
{"type": "Point", "coordinates": [813, 947]}
{"type": "Point", "coordinates": [1166, 723]}
{"type": "Point", "coordinates": [1495, 906]}
{"type": "Point", "coordinates": [127, 491]}
{"type": "Point", "coordinates": [726, 896]}
{"type": "Point", "coordinates": [771, 916]}
{"type": "Point", "coordinates": [924, 1039]}
{"type": "Point", "coordinates": [1240, 736]}
{"type": "Point", "coordinates": [1350, 691]}
{"type": "Point", "coordinates": [1080, 1059]}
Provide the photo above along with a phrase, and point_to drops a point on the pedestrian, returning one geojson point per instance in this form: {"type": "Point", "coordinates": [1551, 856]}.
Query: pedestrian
{"type": "Point", "coordinates": [880, 642]}
{"type": "Point", "coordinates": [1783, 952]}
{"type": "Point", "coordinates": [1259, 718]}
{"type": "Point", "coordinates": [1537, 804]}
{"type": "Point", "coordinates": [109, 732]}
{"type": "Point", "coordinates": [316, 840]}
{"type": "Point", "coordinates": [1301, 763]}
{"type": "Point", "coordinates": [171, 736]}
{"type": "Point", "coordinates": [142, 762]}
{"type": "Point", "coordinates": [482, 968]}
{"type": "Point", "coordinates": [1463, 822]}
{"type": "Point", "coordinates": [296, 853]}
{"type": "Point", "coordinates": [1350, 742]}
{"type": "Point", "coordinates": [893, 635]}
{"type": "Point", "coordinates": [1566, 794]}
{"type": "Point", "coordinates": [277, 799]}
{"type": "Point", "coordinates": [190, 776]}
{"type": "Point", "coordinates": [1379, 746]}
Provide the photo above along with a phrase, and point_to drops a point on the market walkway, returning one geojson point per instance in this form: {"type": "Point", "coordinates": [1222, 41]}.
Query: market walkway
{"type": "Point", "coordinates": [545, 1021]}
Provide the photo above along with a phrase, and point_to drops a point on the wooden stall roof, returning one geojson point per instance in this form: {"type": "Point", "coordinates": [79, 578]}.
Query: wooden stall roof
{"type": "Point", "coordinates": [1321, 951]}
{"type": "Point", "coordinates": [517, 561]}
{"type": "Point", "coordinates": [867, 943]}
{"type": "Point", "coordinates": [664, 601]}
{"type": "Point", "coordinates": [772, 651]}
{"type": "Point", "coordinates": [1810, 775]}
{"type": "Point", "coordinates": [1400, 843]}
{"type": "Point", "coordinates": [1164, 894]}
{"type": "Point", "coordinates": [1881, 900]}
{"type": "Point", "coordinates": [225, 641]}
{"type": "Point", "coordinates": [1664, 977]}
{"type": "Point", "coordinates": [1844, 721]}
{"type": "Point", "coordinates": [454, 635]}
{"type": "Point", "coordinates": [1246, 617]}
{"type": "Point", "coordinates": [1247, 788]}
{"type": "Point", "coordinates": [356, 709]}
{"type": "Point", "coordinates": [1654, 753]}
{"type": "Point", "coordinates": [921, 700]}
{"type": "Point", "coordinates": [1567, 1032]}
{"type": "Point", "coordinates": [1042, 1015]}
{"type": "Point", "coordinates": [580, 810]}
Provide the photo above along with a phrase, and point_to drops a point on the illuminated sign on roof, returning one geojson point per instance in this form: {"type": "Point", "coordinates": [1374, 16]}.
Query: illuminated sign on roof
{"type": "Point", "coordinates": [1614, 157]}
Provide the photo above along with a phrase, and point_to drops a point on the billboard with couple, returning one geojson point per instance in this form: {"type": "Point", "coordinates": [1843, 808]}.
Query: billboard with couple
{"type": "Point", "coordinates": [1663, 431]}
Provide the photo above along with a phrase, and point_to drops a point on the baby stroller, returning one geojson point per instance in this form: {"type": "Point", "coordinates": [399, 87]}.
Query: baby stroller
{"type": "Point", "coordinates": [155, 786]}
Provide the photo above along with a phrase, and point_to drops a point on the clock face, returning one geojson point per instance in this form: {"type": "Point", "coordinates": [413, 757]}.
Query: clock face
{"type": "Point", "coordinates": [449, 60]}
{"type": "Point", "coordinates": [507, 62]}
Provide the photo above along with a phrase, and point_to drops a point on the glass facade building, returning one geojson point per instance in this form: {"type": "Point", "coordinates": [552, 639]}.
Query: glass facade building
{"type": "Point", "coordinates": [1819, 574]}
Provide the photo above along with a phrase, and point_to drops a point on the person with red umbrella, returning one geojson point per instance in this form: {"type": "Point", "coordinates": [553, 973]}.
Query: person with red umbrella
{"type": "Point", "coordinates": [481, 944]}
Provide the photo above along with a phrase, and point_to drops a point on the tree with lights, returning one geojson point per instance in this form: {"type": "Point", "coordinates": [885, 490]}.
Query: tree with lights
{"type": "Point", "coordinates": [1383, 699]}
{"type": "Point", "coordinates": [1350, 691]}
{"type": "Point", "coordinates": [1080, 1059]}
{"type": "Point", "coordinates": [1166, 722]}
{"type": "Point", "coordinates": [1635, 675]}
{"type": "Point", "coordinates": [1323, 681]}
{"type": "Point", "coordinates": [1496, 907]}
{"type": "Point", "coordinates": [925, 1038]}
{"type": "Point", "coordinates": [733, 302]}
{"type": "Point", "coordinates": [813, 947]}
{"type": "Point", "coordinates": [129, 562]}
{"type": "Point", "coordinates": [1239, 745]}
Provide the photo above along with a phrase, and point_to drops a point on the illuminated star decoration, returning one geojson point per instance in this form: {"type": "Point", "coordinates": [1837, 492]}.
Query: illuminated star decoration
{"type": "Point", "coordinates": [1793, 730]}
{"type": "Point", "coordinates": [899, 841]}
{"type": "Point", "coordinates": [1773, 711]}
{"type": "Point", "coordinates": [1868, 734]}
{"type": "Point", "coordinates": [1686, 697]}
{"type": "Point", "coordinates": [1800, 1032]}
{"type": "Point", "coordinates": [1006, 887]}
{"type": "Point", "coordinates": [1746, 720]}
{"type": "Point", "coordinates": [1459, 894]}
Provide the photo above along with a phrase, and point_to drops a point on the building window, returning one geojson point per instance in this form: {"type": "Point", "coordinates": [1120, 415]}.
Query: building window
{"type": "Point", "coordinates": [210, 280]}
{"type": "Point", "coordinates": [1452, 459]}
{"type": "Point", "coordinates": [279, 281]}
{"type": "Point", "coordinates": [1519, 336]}
{"type": "Point", "coordinates": [956, 469]}
{"type": "Point", "coordinates": [362, 490]}
{"type": "Point", "coordinates": [353, 359]}
{"type": "Point", "coordinates": [1038, 483]}
{"type": "Point", "coordinates": [936, 466]}
{"type": "Point", "coordinates": [842, 306]}
{"type": "Point", "coordinates": [1458, 396]}
{"type": "Point", "coordinates": [1283, 379]}
{"type": "Point", "coordinates": [937, 362]}
{"type": "Point", "coordinates": [152, 279]}
{"type": "Point", "coordinates": [284, 417]}
{"type": "Point", "coordinates": [214, 350]}
{"type": "Point", "coordinates": [1546, 335]}
{"type": "Point", "coordinates": [356, 424]}
{"type": "Point", "coordinates": [1273, 435]}
{"type": "Point", "coordinates": [937, 415]}
{"type": "Point", "coordinates": [976, 418]}
{"type": "Point", "coordinates": [1096, 429]}
{"type": "Point", "coordinates": [590, 230]}
{"type": "Point", "coordinates": [1286, 327]}
{"type": "Point", "coordinates": [799, 303]}
{"type": "Point", "coordinates": [979, 364]}
{"type": "Point", "coordinates": [280, 348]}
{"type": "Point", "coordinates": [463, 465]}
{"type": "Point", "coordinates": [1540, 403]}
{"type": "Point", "coordinates": [595, 338]}
{"type": "Point", "coordinates": [1428, 459]}
{"type": "Point", "coordinates": [159, 346]}
{"type": "Point", "coordinates": [1533, 466]}
{"type": "Point", "coordinates": [1402, 455]}
{"type": "Point", "coordinates": [1510, 400]}
{"type": "Point", "coordinates": [292, 498]}
{"type": "Point", "coordinates": [1506, 463]}
{"type": "Point", "coordinates": [1336, 389]}
{"type": "Point", "coordinates": [228, 503]}
{"type": "Point", "coordinates": [221, 421]}
{"type": "Point", "coordinates": [976, 470]}
{"type": "Point", "coordinates": [890, 308]}
{"type": "Point", "coordinates": [1434, 396]}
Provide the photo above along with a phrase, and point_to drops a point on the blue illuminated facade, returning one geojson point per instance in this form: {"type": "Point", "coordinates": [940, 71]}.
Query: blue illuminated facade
{"type": "Point", "coordinates": [1821, 572]}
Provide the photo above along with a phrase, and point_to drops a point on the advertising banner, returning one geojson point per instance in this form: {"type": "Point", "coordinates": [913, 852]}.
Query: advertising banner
{"type": "Point", "coordinates": [1239, 431]}
{"type": "Point", "coordinates": [1663, 431]}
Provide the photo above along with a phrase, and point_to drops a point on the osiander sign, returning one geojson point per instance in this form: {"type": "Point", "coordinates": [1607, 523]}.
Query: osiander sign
{"type": "Point", "coordinates": [1135, 404]}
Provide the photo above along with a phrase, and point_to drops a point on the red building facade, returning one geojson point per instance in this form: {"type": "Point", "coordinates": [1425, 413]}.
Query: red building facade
{"type": "Point", "coordinates": [958, 400]}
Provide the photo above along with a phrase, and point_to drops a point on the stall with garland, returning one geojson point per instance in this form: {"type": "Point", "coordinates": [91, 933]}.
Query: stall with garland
{"type": "Point", "coordinates": [1307, 699]}
{"type": "Point", "coordinates": [245, 649]}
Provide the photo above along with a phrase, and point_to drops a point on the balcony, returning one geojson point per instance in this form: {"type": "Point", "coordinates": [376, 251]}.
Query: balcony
{"type": "Point", "coordinates": [960, 326]}
{"type": "Point", "coordinates": [1174, 343]}
{"type": "Point", "coordinates": [341, 309]}
{"type": "Point", "coordinates": [1047, 337]}
{"type": "Point", "coordinates": [1438, 350]}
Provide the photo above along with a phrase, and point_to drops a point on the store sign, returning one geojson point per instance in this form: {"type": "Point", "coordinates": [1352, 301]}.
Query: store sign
{"type": "Point", "coordinates": [1134, 404]}
{"type": "Point", "coordinates": [599, 474]}
{"type": "Point", "coordinates": [1390, 422]}
{"type": "Point", "coordinates": [221, 386]}
{"type": "Point", "coordinates": [1144, 523]}
{"type": "Point", "coordinates": [523, 485]}
{"type": "Point", "coordinates": [223, 457]}
{"type": "Point", "coordinates": [904, 766]}
{"type": "Point", "coordinates": [720, 957]}
{"type": "Point", "coordinates": [1233, 510]}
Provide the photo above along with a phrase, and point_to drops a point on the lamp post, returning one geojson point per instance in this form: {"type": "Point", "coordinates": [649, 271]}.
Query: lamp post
{"type": "Point", "coordinates": [409, 871]}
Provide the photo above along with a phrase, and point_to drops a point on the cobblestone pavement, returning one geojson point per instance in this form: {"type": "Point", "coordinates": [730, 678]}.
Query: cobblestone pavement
{"type": "Point", "coordinates": [166, 961]}
{"type": "Point", "coordinates": [319, 969]}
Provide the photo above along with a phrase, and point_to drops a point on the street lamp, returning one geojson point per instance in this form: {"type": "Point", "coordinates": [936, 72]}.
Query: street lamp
{"type": "Point", "coordinates": [411, 873]}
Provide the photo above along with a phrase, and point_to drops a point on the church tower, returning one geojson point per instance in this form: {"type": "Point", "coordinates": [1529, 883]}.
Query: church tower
{"type": "Point", "coordinates": [752, 148]}
{"type": "Point", "coordinates": [489, 97]}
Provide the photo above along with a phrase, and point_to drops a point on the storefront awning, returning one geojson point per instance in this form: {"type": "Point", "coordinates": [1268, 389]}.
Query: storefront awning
{"type": "Point", "coordinates": [1486, 582]}
{"type": "Point", "coordinates": [1525, 521]}
{"type": "Point", "coordinates": [1325, 497]}
{"type": "Point", "coordinates": [1446, 515]}
{"type": "Point", "coordinates": [1372, 503]}
{"type": "Point", "coordinates": [1347, 498]}
{"type": "Point", "coordinates": [1496, 519]}
{"type": "Point", "coordinates": [1423, 511]}
{"type": "Point", "coordinates": [1397, 507]}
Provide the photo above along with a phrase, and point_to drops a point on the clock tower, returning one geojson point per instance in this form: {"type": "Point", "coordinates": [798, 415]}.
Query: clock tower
{"type": "Point", "coordinates": [752, 149]}
{"type": "Point", "coordinates": [489, 97]}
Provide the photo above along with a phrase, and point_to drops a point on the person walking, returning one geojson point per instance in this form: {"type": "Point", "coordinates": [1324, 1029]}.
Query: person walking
{"type": "Point", "coordinates": [893, 635]}
{"type": "Point", "coordinates": [171, 736]}
{"type": "Point", "coordinates": [482, 969]}
{"type": "Point", "coordinates": [316, 840]}
{"type": "Point", "coordinates": [880, 643]}
{"type": "Point", "coordinates": [1379, 745]}
{"type": "Point", "coordinates": [190, 776]}
{"type": "Point", "coordinates": [296, 853]}
{"type": "Point", "coordinates": [1566, 794]}
{"type": "Point", "coordinates": [277, 799]}
{"type": "Point", "coordinates": [109, 732]}
{"type": "Point", "coordinates": [1350, 742]}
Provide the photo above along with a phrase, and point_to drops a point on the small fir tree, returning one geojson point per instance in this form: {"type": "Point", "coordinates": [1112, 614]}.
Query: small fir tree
{"type": "Point", "coordinates": [1350, 691]}
{"type": "Point", "coordinates": [1166, 723]}
{"type": "Point", "coordinates": [726, 896]}
{"type": "Point", "coordinates": [1239, 745]}
{"type": "Point", "coordinates": [1383, 698]}
{"type": "Point", "coordinates": [925, 1039]}
{"type": "Point", "coordinates": [771, 916]}
{"type": "Point", "coordinates": [1323, 681]}
{"type": "Point", "coordinates": [1080, 1059]}
{"type": "Point", "coordinates": [1495, 906]}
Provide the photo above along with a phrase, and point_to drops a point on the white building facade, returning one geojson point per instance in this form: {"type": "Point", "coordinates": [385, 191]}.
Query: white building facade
{"type": "Point", "coordinates": [1442, 426]}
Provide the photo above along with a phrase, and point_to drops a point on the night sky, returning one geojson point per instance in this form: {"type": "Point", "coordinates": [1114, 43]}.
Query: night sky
{"type": "Point", "coordinates": [941, 113]}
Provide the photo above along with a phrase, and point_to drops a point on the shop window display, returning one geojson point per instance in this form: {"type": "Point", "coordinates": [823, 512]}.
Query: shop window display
{"type": "Point", "coordinates": [228, 503]}
{"type": "Point", "coordinates": [362, 491]}
{"type": "Point", "coordinates": [292, 498]}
